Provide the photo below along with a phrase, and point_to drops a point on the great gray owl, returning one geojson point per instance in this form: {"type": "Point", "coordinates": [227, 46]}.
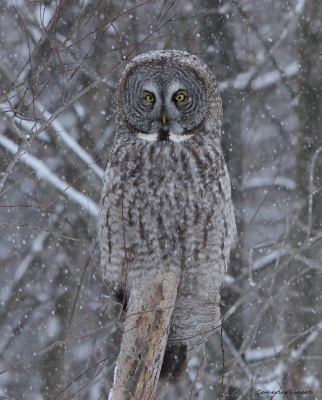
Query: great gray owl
{"type": "Point", "coordinates": [166, 201]}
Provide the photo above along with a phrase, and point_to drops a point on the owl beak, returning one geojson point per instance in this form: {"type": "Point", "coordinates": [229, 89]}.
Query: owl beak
{"type": "Point", "coordinates": [164, 133]}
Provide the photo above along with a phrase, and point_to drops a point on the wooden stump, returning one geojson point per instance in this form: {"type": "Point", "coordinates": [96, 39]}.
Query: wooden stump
{"type": "Point", "coordinates": [145, 338]}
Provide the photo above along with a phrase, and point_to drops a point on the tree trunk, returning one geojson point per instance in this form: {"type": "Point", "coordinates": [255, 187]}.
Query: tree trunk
{"type": "Point", "coordinates": [216, 41]}
{"type": "Point", "coordinates": [145, 338]}
{"type": "Point", "coordinates": [304, 301]}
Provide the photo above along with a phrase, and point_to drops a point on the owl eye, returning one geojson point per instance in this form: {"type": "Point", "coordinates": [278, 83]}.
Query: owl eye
{"type": "Point", "coordinates": [180, 97]}
{"type": "Point", "coordinates": [149, 98]}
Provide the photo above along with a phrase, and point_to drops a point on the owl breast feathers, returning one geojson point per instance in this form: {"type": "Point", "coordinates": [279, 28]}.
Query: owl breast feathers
{"type": "Point", "coordinates": [166, 199]}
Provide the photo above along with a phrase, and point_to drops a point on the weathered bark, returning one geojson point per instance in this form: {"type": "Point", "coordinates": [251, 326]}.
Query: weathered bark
{"type": "Point", "coordinates": [145, 338]}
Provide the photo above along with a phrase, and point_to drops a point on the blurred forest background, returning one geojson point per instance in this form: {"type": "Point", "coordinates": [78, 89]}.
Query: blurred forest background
{"type": "Point", "coordinates": [60, 64]}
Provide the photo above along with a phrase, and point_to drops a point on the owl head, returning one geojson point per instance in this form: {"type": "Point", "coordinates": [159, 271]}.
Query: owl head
{"type": "Point", "coordinates": [168, 96]}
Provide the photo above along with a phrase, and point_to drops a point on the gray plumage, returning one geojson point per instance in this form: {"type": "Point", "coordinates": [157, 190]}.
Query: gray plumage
{"type": "Point", "coordinates": [166, 201]}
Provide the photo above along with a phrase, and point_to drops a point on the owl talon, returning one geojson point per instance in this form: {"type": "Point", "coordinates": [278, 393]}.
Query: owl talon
{"type": "Point", "coordinates": [119, 296]}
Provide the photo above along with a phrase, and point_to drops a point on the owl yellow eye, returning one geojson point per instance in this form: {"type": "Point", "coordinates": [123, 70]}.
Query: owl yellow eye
{"type": "Point", "coordinates": [180, 97]}
{"type": "Point", "coordinates": [149, 98]}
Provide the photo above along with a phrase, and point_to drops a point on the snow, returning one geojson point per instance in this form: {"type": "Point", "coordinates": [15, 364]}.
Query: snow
{"type": "Point", "coordinates": [111, 393]}
{"type": "Point", "coordinates": [37, 247]}
{"type": "Point", "coordinates": [43, 172]}
{"type": "Point", "coordinates": [268, 259]}
{"type": "Point", "coordinates": [261, 181]}
{"type": "Point", "coordinates": [70, 142]}
{"type": "Point", "coordinates": [262, 353]}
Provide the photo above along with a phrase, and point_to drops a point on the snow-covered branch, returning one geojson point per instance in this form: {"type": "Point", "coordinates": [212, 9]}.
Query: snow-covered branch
{"type": "Point", "coordinates": [43, 172]}
{"type": "Point", "coordinates": [71, 142]}
{"type": "Point", "coordinates": [261, 82]}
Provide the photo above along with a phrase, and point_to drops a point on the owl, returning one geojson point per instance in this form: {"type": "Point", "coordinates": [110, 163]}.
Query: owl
{"type": "Point", "coordinates": [166, 198]}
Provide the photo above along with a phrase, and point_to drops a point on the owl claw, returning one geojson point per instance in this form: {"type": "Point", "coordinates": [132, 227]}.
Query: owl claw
{"type": "Point", "coordinates": [119, 296]}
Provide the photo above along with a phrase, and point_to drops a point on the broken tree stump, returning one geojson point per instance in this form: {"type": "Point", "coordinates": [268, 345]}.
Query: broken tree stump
{"type": "Point", "coordinates": [145, 337]}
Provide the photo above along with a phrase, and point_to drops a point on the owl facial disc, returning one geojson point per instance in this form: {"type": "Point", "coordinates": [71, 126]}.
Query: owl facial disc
{"type": "Point", "coordinates": [167, 105]}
